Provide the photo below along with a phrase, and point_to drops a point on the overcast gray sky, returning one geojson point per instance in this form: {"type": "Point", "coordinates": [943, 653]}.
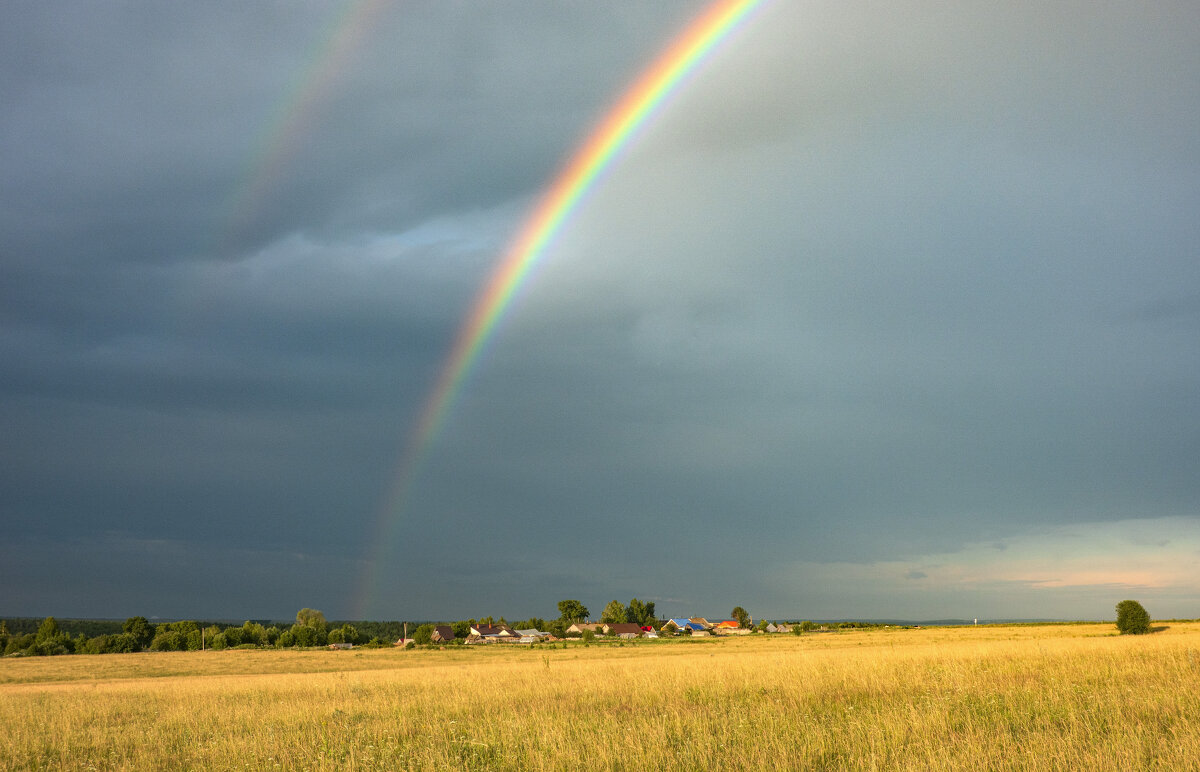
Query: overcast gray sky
{"type": "Point", "coordinates": [892, 311]}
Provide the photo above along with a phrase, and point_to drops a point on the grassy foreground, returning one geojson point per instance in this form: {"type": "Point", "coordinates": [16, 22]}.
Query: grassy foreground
{"type": "Point", "coordinates": [1053, 697]}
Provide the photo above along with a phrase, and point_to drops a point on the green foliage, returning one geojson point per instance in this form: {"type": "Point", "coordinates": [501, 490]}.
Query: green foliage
{"type": "Point", "coordinates": [310, 617]}
{"type": "Point", "coordinates": [18, 643]}
{"type": "Point", "coordinates": [424, 635]}
{"type": "Point", "coordinates": [218, 642]}
{"type": "Point", "coordinates": [762, 625]}
{"type": "Point", "coordinates": [50, 640]}
{"type": "Point", "coordinates": [557, 628]}
{"type": "Point", "coordinates": [461, 629]}
{"type": "Point", "coordinates": [1132, 618]}
{"type": "Point", "coordinates": [572, 611]}
{"type": "Point", "coordinates": [168, 640]}
{"type": "Point", "coordinates": [640, 612]}
{"type": "Point", "coordinates": [349, 634]}
{"type": "Point", "coordinates": [807, 626]}
{"type": "Point", "coordinates": [140, 629]}
{"type": "Point", "coordinates": [589, 635]}
{"type": "Point", "coordinates": [48, 630]}
{"type": "Point", "coordinates": [742, 617]}
{"type": "Point", "coordinates": [253, 632]}
{"type": "Point", "coordinates": [304, 635]}
{"type": "Point", "coordinates": [614, 612]}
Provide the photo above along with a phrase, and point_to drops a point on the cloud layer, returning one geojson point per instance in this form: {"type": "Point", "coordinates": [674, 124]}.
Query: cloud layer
{"type": "Point", "coordinates": [879, 288]}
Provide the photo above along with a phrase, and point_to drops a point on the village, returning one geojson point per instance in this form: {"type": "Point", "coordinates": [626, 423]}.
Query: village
{"type": "Point", "coordinates": [696, 627]}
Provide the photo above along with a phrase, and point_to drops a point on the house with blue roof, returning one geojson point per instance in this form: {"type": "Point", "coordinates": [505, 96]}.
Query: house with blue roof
{"type": "Point", "coordinates": [682, 625]}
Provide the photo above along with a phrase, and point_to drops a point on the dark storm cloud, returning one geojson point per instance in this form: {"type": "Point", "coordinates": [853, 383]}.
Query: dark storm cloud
{"type": "Point", "coordinates": [883, 294]}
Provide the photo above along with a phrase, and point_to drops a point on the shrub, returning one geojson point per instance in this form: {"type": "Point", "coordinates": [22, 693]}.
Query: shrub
{"type": "Point", "coordinates": [1132, 619]}
{"type": "Point", "coordinates": [424, 635]}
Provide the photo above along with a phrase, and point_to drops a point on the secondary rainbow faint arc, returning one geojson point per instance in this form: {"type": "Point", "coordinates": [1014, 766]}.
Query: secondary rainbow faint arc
{"type": "Point", "coordinates": [612, 135]}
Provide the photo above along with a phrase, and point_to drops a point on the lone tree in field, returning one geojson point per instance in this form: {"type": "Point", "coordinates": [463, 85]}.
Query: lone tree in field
{"type": "Point", "coordinates": [1132, 619]}
{"type": "Point", "coordinates": [742, 617]}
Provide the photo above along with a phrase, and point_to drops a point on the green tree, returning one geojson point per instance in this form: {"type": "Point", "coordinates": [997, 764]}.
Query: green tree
{"type": "Point", "coordinates": [557, 628]}
{"type": "Point", "coordinates": [253, 632]}
{"type": "Point", "coordinates": [310, 617]}
{"type": "Point", "coordinates": [1132, 619]}
{"type": "Point", "coordinates": [168, 640]}
{"type": "Point", "coordinates": [424, 635]}
{"type": "Point", "coordinates": [140, 629]}
{"type": "Point", "coordinates": [572, 611]}
{"type": "Point", "coordinates": [461, 629]}
{"type": "Point", "coordinates": [48, 630]}
{"type": "Point", "coordinates": [739, 613]}
{"type": "Point", "coordinates": [640, 612]}
{"type": "Point", "coordinates": [614, 612]}
{"type": "Point", "coordinates": [762, 625]}
{"type": "Point", "coordinates": [233, 636]}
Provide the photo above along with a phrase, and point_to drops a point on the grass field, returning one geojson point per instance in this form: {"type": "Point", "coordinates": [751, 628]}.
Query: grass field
{"type": "Point", "coordinates": [1022, 697]}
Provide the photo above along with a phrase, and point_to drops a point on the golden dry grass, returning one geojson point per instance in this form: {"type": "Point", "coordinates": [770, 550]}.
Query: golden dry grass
{"type": "Point", "coordinates": [1063, 697]}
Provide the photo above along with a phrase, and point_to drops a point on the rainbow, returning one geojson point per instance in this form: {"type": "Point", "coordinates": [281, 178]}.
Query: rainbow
{"type": "Point", "coordinates": [649, 93]}
{"type": "Point", "coordinates": [283, 136]}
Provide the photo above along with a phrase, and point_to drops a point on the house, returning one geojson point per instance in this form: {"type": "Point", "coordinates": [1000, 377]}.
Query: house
{"type": "Point", "coordinates": [682, 625]}
{"type": "Point", "coordinates": [492, 634]}
{"type": "Point", "coordinates": [579, 627]}
{"type": "Point", "coordinates": [536, 635]}
{"type": "Point", "coordinates": [335, 646]}
{"type": "Point", "coordinates": [771, 628]}
{"type": "Point", "coordinates": [782, 628]}
{"type": "Point", "coordinates": [704, 623]}
{"type": "Point", "coordinates": [623, 629]}
{"type": "Point", "coordinates": [442, 634]}
{"type": "Point", "coordinates": [728, 624]}
{"type": "Point", "coordinates": [402, 642]}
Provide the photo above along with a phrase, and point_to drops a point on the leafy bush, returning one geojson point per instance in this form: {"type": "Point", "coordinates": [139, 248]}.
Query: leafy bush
{"type": "Point", "coordinates": [424, 635]}
{"type": "Point", "coordinates": [1132, 619]}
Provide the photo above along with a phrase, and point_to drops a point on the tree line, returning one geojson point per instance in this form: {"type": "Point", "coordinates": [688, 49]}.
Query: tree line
{"type": "Point", "coordinates": [310, 629]}
{"type": "Point", "coordinates": [139, 634]}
